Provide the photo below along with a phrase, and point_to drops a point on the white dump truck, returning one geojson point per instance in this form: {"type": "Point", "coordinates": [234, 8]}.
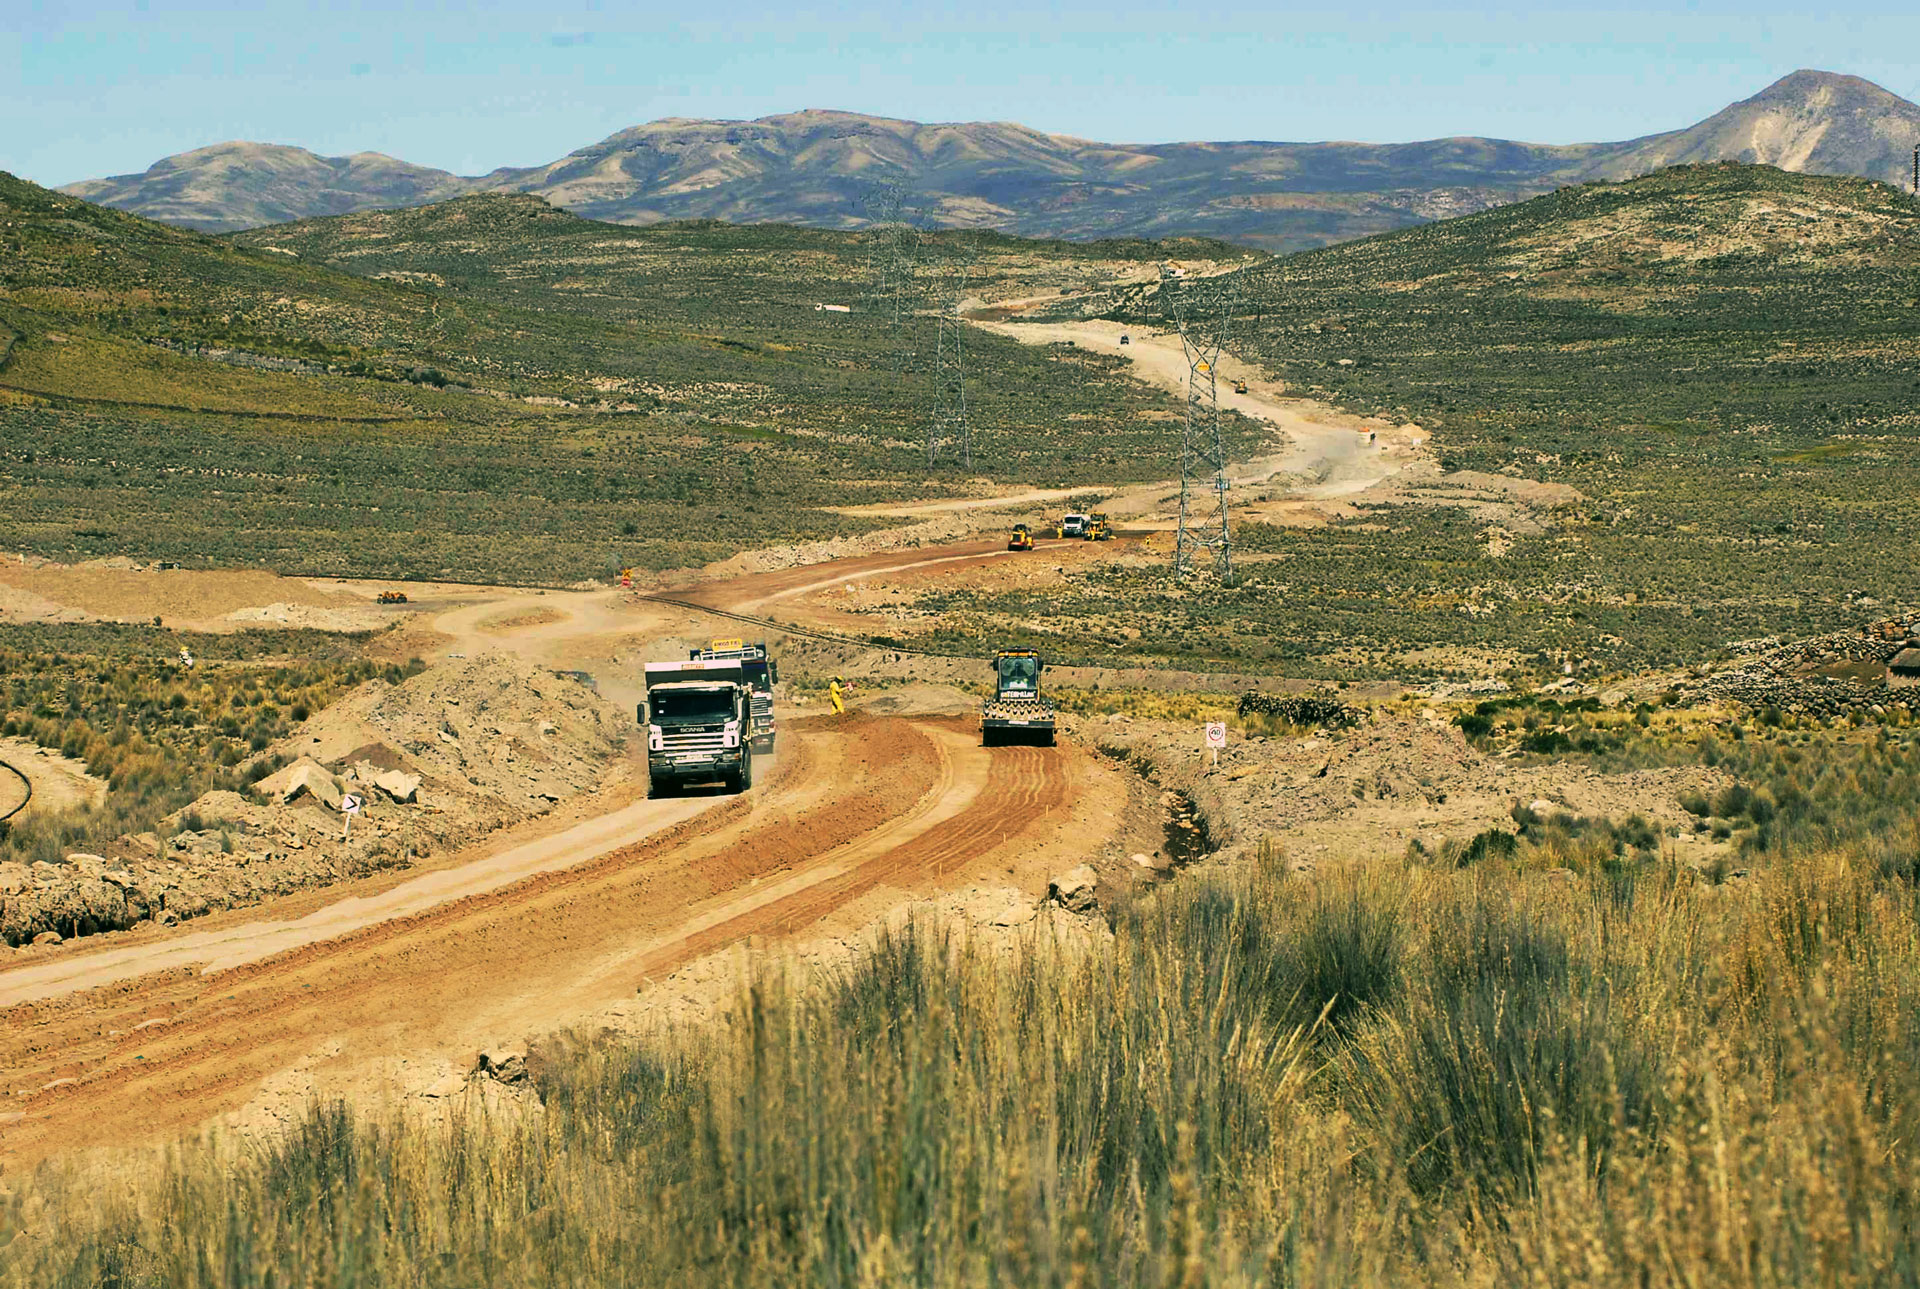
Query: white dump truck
{"type": "Point", "coordinates": [699, 721]}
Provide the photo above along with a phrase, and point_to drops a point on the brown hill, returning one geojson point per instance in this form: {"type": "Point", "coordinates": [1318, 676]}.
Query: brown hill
{"type": "Point", "coordinates": [1810, 122]}
{"type": "Point", "coordinates": [243, 185]}
{"type": "Point", "coordinates": [816, 167]}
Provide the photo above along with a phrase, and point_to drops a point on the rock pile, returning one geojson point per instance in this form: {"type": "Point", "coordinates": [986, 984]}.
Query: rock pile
{"type": "Point", "coordinates": [1300, 709]}
{"type": "Point", "coordinates": [1800, 677]}
{"type": "Point", "coordinates": [449, 755]}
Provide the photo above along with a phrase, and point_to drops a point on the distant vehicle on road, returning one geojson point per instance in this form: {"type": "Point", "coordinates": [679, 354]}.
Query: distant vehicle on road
{"type": "Point", "coordinates": [1074, 526]}
{"type": "Point", "coordinates": [393, 597]}
{"type": "Point", "coordinates": [1022, 540]}
{"type": "Point", "coordinates": [761, 673]}
{"type": "Point", "coordinates": [1125, 340]}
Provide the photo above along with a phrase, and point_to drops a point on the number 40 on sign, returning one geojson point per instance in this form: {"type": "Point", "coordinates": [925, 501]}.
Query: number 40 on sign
{"type": "Point", "coordinates": [1216, 737]}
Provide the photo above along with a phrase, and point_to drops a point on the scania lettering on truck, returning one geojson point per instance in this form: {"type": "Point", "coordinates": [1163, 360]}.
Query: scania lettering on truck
{"type": "Point", "coordinates": [699, 719]}
{"type": "Point", "coordinates": [762, 674]}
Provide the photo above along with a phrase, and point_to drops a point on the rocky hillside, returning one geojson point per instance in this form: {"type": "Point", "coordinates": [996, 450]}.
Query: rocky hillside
{"type": "Point", "coordinates": [815, 167]}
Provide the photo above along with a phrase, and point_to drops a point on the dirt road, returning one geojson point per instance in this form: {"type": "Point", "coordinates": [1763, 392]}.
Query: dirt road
{"type": "Point", "coordinates": [129, 1045]}
{"type": "Point", "coordinates": [1332, 448]}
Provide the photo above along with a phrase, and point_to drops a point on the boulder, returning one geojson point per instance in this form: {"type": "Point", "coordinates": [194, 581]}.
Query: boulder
{"type": "Point", "coordinates": [48, 937]}
{"type": "Point", "coordinates": [306, 777]}
{"type": "Point", "coordinates": [502, 1065]}
{"type": "Point", "coordinates": [400, 786]}
{"type": "Point", "coordinates": [1074, 889]}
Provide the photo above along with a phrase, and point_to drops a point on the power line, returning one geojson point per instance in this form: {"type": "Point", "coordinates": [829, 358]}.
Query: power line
{"type": "Point", "coordinates": [1204, 519]}
{"type": "Point", "coordinates": [891, 254]}
{"type": "Point", "coordinates": [948, 431]}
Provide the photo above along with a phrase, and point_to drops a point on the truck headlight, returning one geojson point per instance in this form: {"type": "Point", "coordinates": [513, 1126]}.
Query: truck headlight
{"type": "Point", "coordinates": [655, 743]}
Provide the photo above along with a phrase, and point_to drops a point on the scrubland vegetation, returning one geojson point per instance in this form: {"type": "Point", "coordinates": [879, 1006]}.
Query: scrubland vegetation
{"type": "Point", "coordinates": [494, 390]}
{"type": "Point", "coordinates": [159, 733]}
{"type": "Point", "coordinates": [1721, 360]}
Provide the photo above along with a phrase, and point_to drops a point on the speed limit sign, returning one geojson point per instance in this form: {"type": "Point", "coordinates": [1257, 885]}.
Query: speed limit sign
{"type": "Point", "coordinates": [1216, 734]}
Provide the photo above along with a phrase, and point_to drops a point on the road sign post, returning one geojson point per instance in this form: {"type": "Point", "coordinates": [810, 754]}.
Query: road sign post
{"type": "Point", "coordinates": [1216, 738]}
{"type": "Point", "coordinates": [349, 806]}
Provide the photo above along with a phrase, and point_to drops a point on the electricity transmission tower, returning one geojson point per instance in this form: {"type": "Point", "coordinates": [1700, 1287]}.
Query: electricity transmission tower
{"type": "Point", "coordinates": [947, 432]}
{"type": "Point", "coordinates": [1204, 523]}
{"type": "Point", "coordinates": [891, 269]}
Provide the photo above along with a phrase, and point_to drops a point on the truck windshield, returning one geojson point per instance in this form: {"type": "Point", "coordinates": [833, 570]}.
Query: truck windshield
{"type": "Point", "coordinates": [1019, 674]}
{"type": "Point", "coordinates": [691, 704]}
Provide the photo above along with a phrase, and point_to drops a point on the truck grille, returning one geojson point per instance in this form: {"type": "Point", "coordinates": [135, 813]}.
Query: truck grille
{"type": "Point", "coordinates": [695, 740]}
{"type": "Point", "coordinates": [762, 710]}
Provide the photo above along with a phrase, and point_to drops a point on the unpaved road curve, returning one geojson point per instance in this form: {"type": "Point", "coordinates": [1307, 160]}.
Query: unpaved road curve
{"type": "Point", "coordinates": [859, 810]}
{"type": "Point", "coordinates": [1323, 443]}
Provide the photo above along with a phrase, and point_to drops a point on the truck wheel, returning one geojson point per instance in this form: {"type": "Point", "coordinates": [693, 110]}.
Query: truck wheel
{"type": "Point", "coordinates": [986, 738]}
{"type": "Point", "coordinates": [658, 787]}
{"type": "Point", "coordinates": [743, 777]}
{"type": "Point", "coordinates": [1046, 740]}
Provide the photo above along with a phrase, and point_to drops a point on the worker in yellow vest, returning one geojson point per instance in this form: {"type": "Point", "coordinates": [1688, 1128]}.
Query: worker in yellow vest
{"type": "Point", "coordinates": [839, 700]}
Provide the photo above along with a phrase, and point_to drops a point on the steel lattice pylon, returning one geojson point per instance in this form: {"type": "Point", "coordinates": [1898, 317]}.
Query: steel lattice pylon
{"type": "Point", "coordinates": [1204, 523]}
{"type": "Point", "coordinates": [948, 431]}
{"type": "Point", "coordinates": [891, 256]}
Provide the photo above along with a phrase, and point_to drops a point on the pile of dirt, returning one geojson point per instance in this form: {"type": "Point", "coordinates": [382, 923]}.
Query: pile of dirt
{"type": "Point", "coordinates": [1361, 792]}
{"type": "Point", "coordinates": [308, 617]}
{"type": "Point", "coordinates": [452, 754]}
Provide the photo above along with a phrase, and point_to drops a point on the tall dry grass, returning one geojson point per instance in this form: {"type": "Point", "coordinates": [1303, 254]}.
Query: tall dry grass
{"type": "Point", "coordinates": [1400, 1075]}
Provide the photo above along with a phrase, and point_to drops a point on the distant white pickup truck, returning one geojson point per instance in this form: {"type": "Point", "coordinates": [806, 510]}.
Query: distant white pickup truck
{"type": "Point", "coordinates": [1074, 526]}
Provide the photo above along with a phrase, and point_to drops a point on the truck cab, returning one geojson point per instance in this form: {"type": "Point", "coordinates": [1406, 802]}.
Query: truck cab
{"type": "Point", "coordinates": [699, 721]}
{"type": "Point", "coordinates": [1074, 526]}
{"type": "Point", "coordinates": [760, 672]}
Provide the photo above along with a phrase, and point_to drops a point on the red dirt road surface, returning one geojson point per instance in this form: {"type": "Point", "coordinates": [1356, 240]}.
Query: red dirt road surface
{"type": "Point", "coordinates": [136, 1044]}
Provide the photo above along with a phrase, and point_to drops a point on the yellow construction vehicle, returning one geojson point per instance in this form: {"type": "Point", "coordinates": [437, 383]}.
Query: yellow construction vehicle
{"type": "Point", "coordinates": [1018, 711]}
{"type": "Point", "coordinates": [393, 597]}
{"type": "Point", "coordinates": [1022, 540]}
{"type": "Point", "coordinates": [1098, 529]}
{"type": "Point", "coordinates": [1239, 387]}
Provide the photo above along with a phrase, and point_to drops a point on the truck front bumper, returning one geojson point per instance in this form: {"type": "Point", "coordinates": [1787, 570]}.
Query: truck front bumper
{"type": "Point", "coordinates": [695, 765]}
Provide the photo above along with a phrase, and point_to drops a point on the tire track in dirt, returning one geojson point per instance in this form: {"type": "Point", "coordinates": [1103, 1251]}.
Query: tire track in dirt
{"type": "Point", "coordinates": [1022, 786]}
{"type": "Point", "coordinates": [868, 802]}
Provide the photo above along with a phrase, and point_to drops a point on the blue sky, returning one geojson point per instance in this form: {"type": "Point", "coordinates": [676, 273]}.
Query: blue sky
{"type": "Point", "coordinates": [95, 89]}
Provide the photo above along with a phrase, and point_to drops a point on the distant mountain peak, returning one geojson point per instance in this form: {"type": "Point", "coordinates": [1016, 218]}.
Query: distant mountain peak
{"type": "Point", "coordinates": [1810, 86]}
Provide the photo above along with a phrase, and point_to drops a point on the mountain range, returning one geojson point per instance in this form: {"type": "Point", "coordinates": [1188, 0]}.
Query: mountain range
{"type": "Point", "coordinates": [822, 168]}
